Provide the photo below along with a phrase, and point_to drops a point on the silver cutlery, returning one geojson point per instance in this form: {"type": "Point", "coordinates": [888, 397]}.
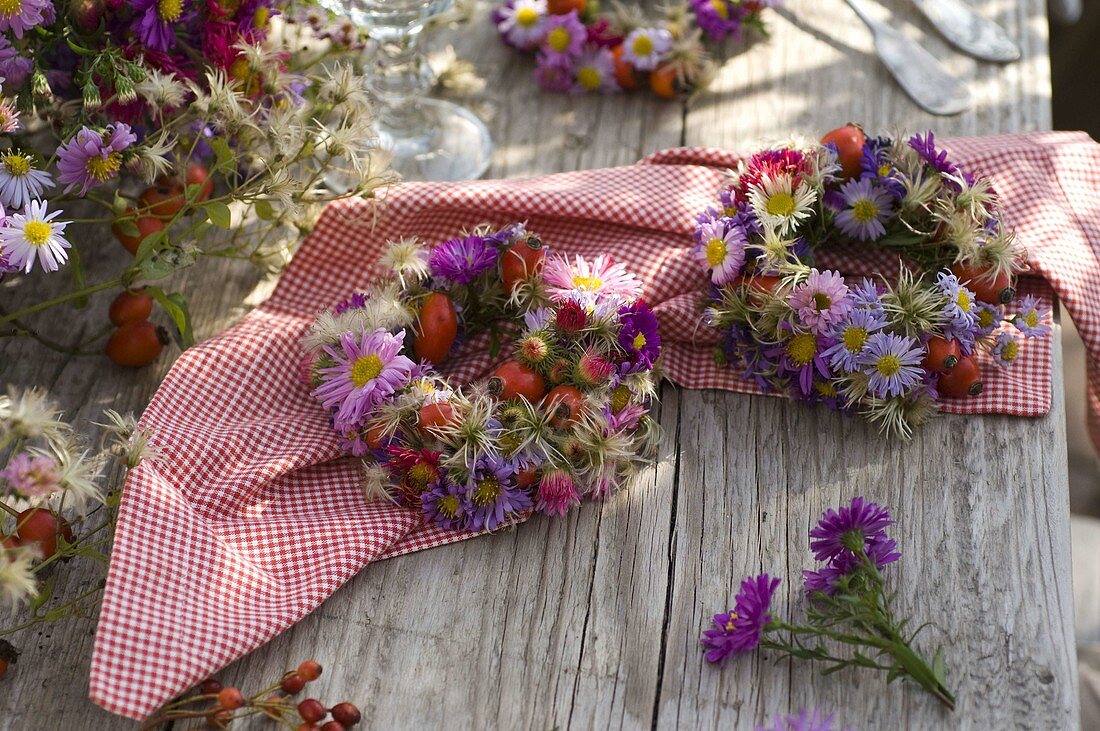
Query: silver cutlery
{"type": "Point", "coordinates": [918, 72]}
{"type": "Point", "coordinates": [969, 32]}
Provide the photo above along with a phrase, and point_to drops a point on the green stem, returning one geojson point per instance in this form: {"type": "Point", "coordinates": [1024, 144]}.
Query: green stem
{"type": "Point", "coordinates": [45, 305]}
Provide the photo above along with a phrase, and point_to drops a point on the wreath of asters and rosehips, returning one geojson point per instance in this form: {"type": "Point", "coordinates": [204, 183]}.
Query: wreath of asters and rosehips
{"type": "Point", "coordinates": [579, 50]}
{"type": "Point", "coordinates": [565, 418]}
{"type": "Point", "coordinates": [886, 348]}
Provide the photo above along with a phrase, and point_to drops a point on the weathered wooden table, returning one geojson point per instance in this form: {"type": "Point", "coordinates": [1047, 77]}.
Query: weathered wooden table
{"type": "Point", "coordinates": [594, 621]}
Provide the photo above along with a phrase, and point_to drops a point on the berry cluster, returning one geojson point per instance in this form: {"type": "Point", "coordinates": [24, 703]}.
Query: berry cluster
{"type": "Point", "coordinates": [219, 706]}
{"type": "Point", "coordinates": [565, 418]}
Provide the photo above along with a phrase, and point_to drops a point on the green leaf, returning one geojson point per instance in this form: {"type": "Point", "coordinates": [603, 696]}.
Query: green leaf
{"type": "Point", "coordinates": [939, 667]}
{"type": "Point", "coordinates": [119, 205]}
{"type": "Point", "coordinates": [265, 210]}
{"type": "Point", "coordinates": [150, 244]}
{"type": "Point", "coordinates": [191, 192]}
{"type": "Point", "coordinates": [175, 304]}
{"type": "Point", "coordinates": [223, 154]}
{"type": "Point", "coordinates": [158, 265]}
{"type": "Point", "coordinates": [45, 591]}
{"type": "Point", "coordinates": [128, 226]}
{"type": "Point", "coordinates": [219, 214]}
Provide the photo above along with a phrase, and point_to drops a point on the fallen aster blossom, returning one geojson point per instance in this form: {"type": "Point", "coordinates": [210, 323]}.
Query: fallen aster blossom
{"type": "Point", "coordinates": [740, 629]}
{"type": "Point", "coordinates": [1031, 319]}
{"type": "Point", "coordinates": [813, 720]}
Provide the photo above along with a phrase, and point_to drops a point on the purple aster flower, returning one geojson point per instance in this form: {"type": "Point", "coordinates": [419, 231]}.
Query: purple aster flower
{"type": "Point", "coordinates": [1031, 318]}
{"type": "Point", "coordinates": [987, 318]}
{"type": "Point", "coordinates": [554, 75]}
{"type": "Point", "coordinates": [367, 369]}
{"type": "Point", "coordinates": [155, 21]}
{"type": "Point", "coordinates": [91, 158]}
{"type": "Point", "coordinates": [926, 148]}
{"type": "Point", "coordinates": [15, 67]}
{"type": "Point", "coordinates": [565, 37]}
{"type": "Point", "coordinates": [595, 71]}
{"type": "Point", "coordinates": [845, 532]}
{"type": "Point", "coordinates": [868, 295]}
{"type": "Point", "coordinates": [643, 47]}
{"type": "Point", "coordinates": [557, 493]}
{"type": "Point", "coordinates": [740, 629]}
{"type": "Point", "coordinates": [19, 16]}
{"type": "Point", "coordinates": [866, 207]}
{"type": "Point", "coordinates": [821, 301]}
{"type": "Point", "coordinates": [802, 357]}
{"type": "Point", "coordinates": [719, 19]}
{"type": "Point", "coordinates": [893, 362]}
{"type": "Point", "coordinates": [851, 336]}
{"type": "Point", "coordinates": [960, 307]}
{"type": "Point", "coordinates": [355, 302]}
{"type": "Point", "coordinates": [1006, 349]}
{"type": "Point", "coordinates": [460, 260]}
{"type": "Point", "coordinates": [492, 493]}
{"type": "Point", "coordinates": [804, 721]}
{"type": "Point", "coordinates": [444, 503]}
{"type": "Point", "coordinates": [880, 552]}
{"type": "Point", "coordinates": [721, 246]}
{"type": "Point", "coordinates": [638, 334]}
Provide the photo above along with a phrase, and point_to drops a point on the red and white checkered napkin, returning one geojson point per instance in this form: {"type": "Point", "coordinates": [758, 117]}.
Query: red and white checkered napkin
{"type": "Point", "coordinates": [251, 518]}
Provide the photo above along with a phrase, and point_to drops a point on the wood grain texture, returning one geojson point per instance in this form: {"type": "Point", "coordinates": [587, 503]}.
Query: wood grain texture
{"type": "Point", "coordinates": [593, 621]}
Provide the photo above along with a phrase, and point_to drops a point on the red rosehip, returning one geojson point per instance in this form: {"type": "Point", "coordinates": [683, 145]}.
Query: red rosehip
{"type": "Point", "coordinates": [965, 379]}
{"type": "Point", "coordinates": [3, 667]}
{"type": "Point", "coordinates": [38, 525]}
{"type": "Point", "coordinates": [292, 683]}
{"type": "Point", "coordinates": [210, 687]}
{"type": "Point", "coordinates": [564, 403]}
{"type": "Point", "coordinates": [849, 141]}
{"type": "Point", "coordinates": [311, 710]}
{"type": "Point", "coordinates": [522, 260]}
{"type": "Point", "coordinates": [942, 355]}
{"type": "Point", "coordinates": [334, 726]}
{"type": "Point", "coordinates": [198, 175]}
{"type": "Point", "coordinates": [346, 713]}
{"type": "Point", "coordinates": [513, 379]}
{"type": "Point", "coordinates": [436, 328]}
{"type": "Point", "coordinates": [130, 307]}
{"type": "Point", "coordinates": [136, 344]}
{"type": "Point", "coordinates": [146, 225]}
{"type": "Point", "coordinates": [310, 670]}
{"type": "Point", "coordinates": [230, 699]}
{"type": "Point", "coordinates": [165, 199]}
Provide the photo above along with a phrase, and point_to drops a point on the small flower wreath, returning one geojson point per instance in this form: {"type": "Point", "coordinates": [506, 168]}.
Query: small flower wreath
{"type": "Point", "coordinates": [566, 418]}
{"type": "Point", "coordinates": [579, 50]}
{"type": "Point", "coordinates": [887, 349]}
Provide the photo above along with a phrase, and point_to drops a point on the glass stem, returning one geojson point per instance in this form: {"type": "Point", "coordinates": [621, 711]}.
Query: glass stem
{"type": "Point", "coordinates": [399, 81]}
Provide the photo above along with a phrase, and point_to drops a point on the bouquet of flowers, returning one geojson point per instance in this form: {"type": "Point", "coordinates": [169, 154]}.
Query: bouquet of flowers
{"type": "Point", "coordinates": [579, 50]}
{"type": "Point", "coordinates": [851, 620]}
{"type": "Point", "coordinates": [213, 128]}
{"type": "Point", "coordinates": [888, 348]}
{"type": "Point", "coordinates": [566, 417]}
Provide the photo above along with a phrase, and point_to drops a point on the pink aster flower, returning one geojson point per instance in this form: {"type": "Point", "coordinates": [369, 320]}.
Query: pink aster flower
{"type": "Point", "coordinates": [821, 301]}
{"type": "Point", "coordinates": [19, 16]}
{"type": "Point", "coordinates": [367, 369]}
{"type": "Point", "coordinates": [601, 277]}
{"type": "Point", "coordinates": [91, 158]}
{"type": "Point", "coordinates": [34, 477]}
{"type": "Point", "coordinates": [721, 246]}
{"type": "Point", "coordinates": [565, 37]}
{"type": "Point", "coordinates": [522, 23]}
{"type": "Point", "coordinates": [595, 71]}
{"type": "Point", "coordinates": [557, 493]}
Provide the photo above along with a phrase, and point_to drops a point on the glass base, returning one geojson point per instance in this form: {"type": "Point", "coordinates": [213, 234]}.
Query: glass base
{"type": "Point", "coordinates": [456, 145]}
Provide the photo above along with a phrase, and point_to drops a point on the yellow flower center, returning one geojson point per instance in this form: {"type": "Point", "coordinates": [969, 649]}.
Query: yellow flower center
{"type": "Point", "coordinates": [449, 506]}
{"type": "Point", "coordinates": [780, 204]}
{"type": "Point", "coordinates": [855, 338]}
{"type": "Point", "coordinates": [826, 389]}
{"type": "Point", "coordinates": [169, 11]}
{"type": "Point", "coordinates": [642, 46]}
{"type": "Point", "coordinates": [731, 211]}
{"type": "Point", "coordinates": [802, 348]}
{"type": "Point", "coordinates": [589, 78]}
{"type": "Point", "coordinates": [716, 251]}
{"type": "Point", "coordinates": [1010, 350]}
{"type": "Point", "coordinates": [37, 232]}
{"type": "Point", "coordinates": [558, 39]}
{"type": "Point", "coordinates": [11, 7]}
{"type": "Point", "coordinates": [720, 9]}
{"type": "Point", "coordinates": [487, 491]}
{"type": "Point", "coordinates": [963, 301]}
{"type": "Point", "coordinates": [822, 301]}
{"type": "Point", "coordinates": [730, 621]}
{"type": "Point", "coordinates": [365, 369]}
{"type": "Point", "coordinates": [865, 210]}
{"type": "Point", "coordinates": [103, 168]}
{"type": "Point", "coordinates": [259, 20]}
{"type": "Point", "coordinates": [421, 474]}
{"type": "Point", "coordinates": [620, 397]}
{"type": "Point", "coordinates": [985, 318]}
{"type": "Point", "coordinates": [1031, 318]}
{"type": "Point", "coordinates": [589, 283]}
{"type": "Point", "coordinates": [639, 341]}
{"type": "Point", "coordinates": [527, 17]}
{"type": "Point", "coordinates": [888, 364]}
{"type": "Point", "coordinates": [239, 69]}
{"type": "Point", "coordinates": [17, 164]}
{"type": "Point", "coordinates": [884, 169]}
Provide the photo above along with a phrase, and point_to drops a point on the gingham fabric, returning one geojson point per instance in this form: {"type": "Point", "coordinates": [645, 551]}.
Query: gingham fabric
{"type": "Point", "coordinates": [251, 518]}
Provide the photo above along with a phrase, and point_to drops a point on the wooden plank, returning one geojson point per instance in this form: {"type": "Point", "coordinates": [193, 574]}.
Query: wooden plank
{"type": "Point", "coordinates": [593, 621]}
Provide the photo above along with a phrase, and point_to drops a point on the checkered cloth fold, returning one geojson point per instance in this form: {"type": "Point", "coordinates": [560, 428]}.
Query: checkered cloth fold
{"type": "Point", "coordinates": [252, 517]}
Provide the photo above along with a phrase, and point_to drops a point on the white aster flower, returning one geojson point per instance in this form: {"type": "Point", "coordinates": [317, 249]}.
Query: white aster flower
{"type": "Point", "coordinates": [79, 472]}
{"type": "Point", "coordinates": [779, 205]}
{"type": "Point", "coordinates": [29, 415]}
{"type": "Point", "coordinates": [33, 235]}
{"type": "Point", "coordinates": [375, 482]}
{"type": "Point", "coordinates": [20, 182]}
{"type": "Point", "coordinates": [406, 256]}
{"type": "Point", "coordinates": [161, 90]}
{"type": "Point", "coordinates": [17, 584]}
